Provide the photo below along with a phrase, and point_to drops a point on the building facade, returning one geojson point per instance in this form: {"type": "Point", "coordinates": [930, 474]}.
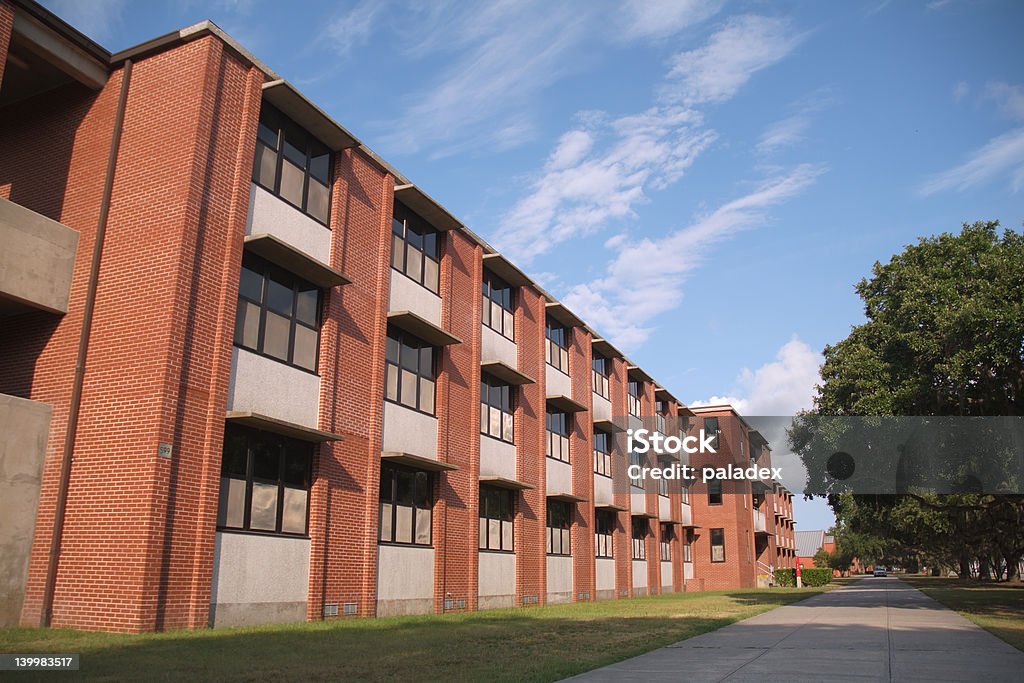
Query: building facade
{"type": "Point", "coordinates": [251, 373]}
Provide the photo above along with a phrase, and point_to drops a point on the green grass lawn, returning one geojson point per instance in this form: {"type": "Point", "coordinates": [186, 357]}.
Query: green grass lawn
{"type": "Point", "coordinates": [996, 607]}
{"type": "Point", "coordinates": [539, 644]}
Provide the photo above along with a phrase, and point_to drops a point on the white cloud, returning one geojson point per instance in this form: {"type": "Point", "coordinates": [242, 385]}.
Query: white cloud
{"type": "Point", "coordinates": [352, 28]}
{"type": "Point", "coordinates": [783, 133]}
{"type": "Point", "coordinates": [662, 18]}
{"type": "Point", "coordinates": [716, 71]}
{"type": "Point", "coordinates": [96, 18]}
{"type": "Point", "coordinates": [623, 306]}
{"type": "Point", "coordinates": [1010, 98]}
{"type": "Point", "coordinates": [961, 90]}
{"type": "Point", "coordinates": [1002, 156]}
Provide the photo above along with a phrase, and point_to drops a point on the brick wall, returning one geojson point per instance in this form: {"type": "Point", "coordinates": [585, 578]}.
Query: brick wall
{"type": "Point", "coordinates": [530, 524]}
{"type": "Point", "coordinates": [581, 455]}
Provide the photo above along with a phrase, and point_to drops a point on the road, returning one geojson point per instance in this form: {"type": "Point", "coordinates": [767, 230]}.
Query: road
{"type": "Point", "coordinates": [878, 629]}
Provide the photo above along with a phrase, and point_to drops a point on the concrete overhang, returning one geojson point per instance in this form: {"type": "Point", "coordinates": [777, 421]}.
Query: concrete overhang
{"type": "Point", "coordinates": [51, 39]}
{"type": "Point", "coordinates": [294, 261]}
{"type": "Point", "coordinates": [608, 426]}
{"type": "Point", "coordinates": [506, 270]}
{"type": "Point", "coordinates": [427, 208]}
{"type": "Point", "coordinates": [566, 497]}
{"type": "Point", "coordinates": [505, 483]}
{"type": "Point", "coordinates": [37, 261]}
{"type": "Point", "coordinates": [506, 373]}
{"type": "Point", "coordinates": [565, 404]}
{"type": "Point", "coordinates": [559, 312]}
{"type": "Point", "coordinates": [282, 427]}
{"type": "Point", "coordinates": [299, 109]}
{"type": "Point", "coordinates": [637, 373]}
{"type": "Point", "coordinates": [643, 513]}
{"type": "Point", "coordinates": [756, 438]}
{"type": "Point", "coordinates": [609, 506]}
{"type": "Point", "coordinates": [605, 348]}
{"type": "Point", "coordinates": [663, 394]}
{"type": "Point", "coordinates": [422, 328]}
{"type": "Point", "coordinates": [417, 462]}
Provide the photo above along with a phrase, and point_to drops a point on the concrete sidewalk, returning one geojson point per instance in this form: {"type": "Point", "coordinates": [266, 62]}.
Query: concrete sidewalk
{"type": "Point", "coordinates": [878, 629]}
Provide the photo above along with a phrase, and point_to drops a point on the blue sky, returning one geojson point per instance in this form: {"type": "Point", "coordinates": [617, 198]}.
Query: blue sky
{"type": "Point", "coordinates": [703, 182]}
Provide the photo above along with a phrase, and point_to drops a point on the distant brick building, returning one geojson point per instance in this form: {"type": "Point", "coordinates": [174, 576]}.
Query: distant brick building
{"type": "Point", "coordinates": [251, 373]}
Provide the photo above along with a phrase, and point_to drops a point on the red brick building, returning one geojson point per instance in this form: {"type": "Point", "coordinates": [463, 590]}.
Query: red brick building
{"type": "Point", "coordinates": [251, 373]}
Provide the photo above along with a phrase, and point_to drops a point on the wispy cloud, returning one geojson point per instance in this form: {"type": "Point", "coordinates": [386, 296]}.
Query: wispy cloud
{"type": "Point", "coordinates": [1009, 98]}
{"type": "Point", "coordinates": [961, 90]}
{"type": "Point", "coordinates": [97, 19]}
{"type": "Point", "coordinates": [663, 18]}
{"type": "Point", "coordinates": [622, 306]}
{"type": "Point", "coordinates": [352, 27]}
{"type": "Point", "coordinates": [716, 71]}
{"type": "Point", "coordinates": [793, 129]}
{"type": "Point", "coordinates": [1002, 156]}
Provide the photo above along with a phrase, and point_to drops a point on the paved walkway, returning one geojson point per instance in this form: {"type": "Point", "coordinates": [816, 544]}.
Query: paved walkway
{"type": "Point", "coordinates": [878, 629]}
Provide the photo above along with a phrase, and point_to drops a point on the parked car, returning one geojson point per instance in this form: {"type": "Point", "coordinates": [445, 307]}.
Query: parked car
{"type": "Point", "coordinates": [880, 571]}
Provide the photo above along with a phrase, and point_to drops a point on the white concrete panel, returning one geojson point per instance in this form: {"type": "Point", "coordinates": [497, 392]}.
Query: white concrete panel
{"type": "Point", "coordinates": [666, 576]}
{"type": "Point", "coordinates": [603, 492]}
{"type": "Point", "coordinates": [605, 574]}
{"type": "Point", "coordinates": [272, 215]}
{"type": "Point", "coordinates": [497, 573]}
{"type": "Point", "coordinates": [688, 571]}
{"type": "Point", "coordinates": [558, 383]}
{"type": "Point", "coordinates": [497, 458]}
{"type": "Point", "coordinates": [664, 508]}
{"type": "Point", "coordinates": [639, 574]}
{"type": "Point", "coordinates": [635, 422]}
{"type": "Point", "coordinates": [259, 579]}
{"type": "Point", "coordinates": [494, 346]}
{"type": "Point", "coordinates": [270, 388]}
{"type": "Point", "coordinates": [602, 408]}
{"type": "Point", "coordinates": [37, 260]}
{"type": "Point", "coordinates": [405, 572]}
{"type": "Point", "coordinates": [686, 514]}
{"type": "Point", "coordinates": [406, 295]}
{"type": "Point", "coordinates": [637, 499]}
{"type": "Point", "coordinates": [559, 476]}
{"type": "Point", "coordinates": [409, 431]}
{"type": "Point", "coordinates": [559, 573]}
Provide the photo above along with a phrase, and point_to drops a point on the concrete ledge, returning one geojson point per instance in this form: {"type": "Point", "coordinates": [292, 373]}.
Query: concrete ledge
{"type": "Point", "coordinates": [559, 598]}
{"type": "Point", "coordinates": [393, 608]}
{"type": "Point", "coordinates": [496, 601]}
{"type": "Point", "coordinates": [257, 613]}
{"type": "Point", "coordinates": [37, 261]}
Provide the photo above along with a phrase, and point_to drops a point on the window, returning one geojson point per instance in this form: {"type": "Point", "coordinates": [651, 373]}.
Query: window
{"type": "Point", "coordinates": [292, 164]}
{"type": "Point", "coordinates": [687, 552]}
{"type": "Point", "coordinates": [559, 524]}
{"type": "Point", "coordinates": [497, 405]}
{"type": "Point", "coordinates": [660, 414]}
{"type": "Point", "coordinates": [405, 505]}
{"type": "Point", "coordinates": [497, 512]}
{"type": "Point", "coordinates": [662, 487]}
{"type": "Point", "coordinates": [265, 480]}
{"type": "Point", "coordinates": [636, 391]}
{"type": "Point", "coordinates": [715, 492]}
{"type": "Point", "coordinates": [602, 454]}
{"type": "Point", "coordinates": [601, 370]}
{"type": "Point", "coordinates": [666, 542]}
{"type": "Point", "coordinates": [498, 305]}
{"type": "Point", "coordinates": [558, 347]}
{"type": "Point", "coordinates": [640, 529]}
{"type": "Point", "coordinates": [409, 374]}
{"type": "Point", "coordinates": [278, 314]}
{"type": "Point", "coordinates": [604, 523]}
{"type": "Point", "coordinates": [636, 459]}
{"type": "Point", "coordinates": [558, 436]}
{"type": "Point", "coordinates": [718, 545]}
{"type": "Point", "coordinates": [415, 248]}
{"type": "Point", "coordinates": [685, 493]}
{"type": "Point", "coordinates": [711, 428]}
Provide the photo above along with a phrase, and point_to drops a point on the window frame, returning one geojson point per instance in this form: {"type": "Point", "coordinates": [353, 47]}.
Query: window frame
{"type": "Point", "coordinates": [403, 222]}
{"type": "Point", "coordinates": [553, 330]}
{"type": "Point", "coordinates": [717, 431]}
{"type": "Point", "coordinates": [604, 533]}
{"type": "Point", "coordinates": [602, 457]}
{"type": "Point", "coordinates": [495, 292]}
{"type": "Point", "coordinates": [562, 438]}
{"type": "Point", "coordinates": [280, 128]}
{"type": "Point", "coordinates": [564, 544]}
{"type": "Point", "coordinates": [716, 492]}
{"type": "Point", "coordinates": [271, 272]}
{"type": "Point", "coordinates": [601, 377]}
{"type": "Point", "coordinates": [286, 447]}
{"type": "Point", "coordinates": [506, 413]}
{"type": "Point", "coordinates": [711, 542]}
{"type": "Point", "coordinates": [488, 496]}
{"type": "Point", "coordinates": [637, 459]}
{"type": "Point", "coordinates": [393, 471]}
{"type": "Point", "coordinates": [639, 544]}
{"type": "Point", "coordinates": [634, 401]}
{"type": "Point", "coordinates": [403, 339]}
{"type": "Point", "coordinates": [665, 542]}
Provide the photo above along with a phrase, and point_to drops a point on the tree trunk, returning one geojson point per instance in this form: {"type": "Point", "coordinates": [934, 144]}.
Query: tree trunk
{"type": "Point", "coordinates": [965, 567]}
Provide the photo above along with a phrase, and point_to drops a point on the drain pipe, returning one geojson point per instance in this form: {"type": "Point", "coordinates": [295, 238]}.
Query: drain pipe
{"type": "Point", "coordinates": [83, 346]}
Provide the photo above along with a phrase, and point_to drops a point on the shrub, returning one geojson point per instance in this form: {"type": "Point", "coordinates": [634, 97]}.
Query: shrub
{"type": "Point", "coordinates": [785, 577]}
{"type": "Point", "coordinates": [816, 576]}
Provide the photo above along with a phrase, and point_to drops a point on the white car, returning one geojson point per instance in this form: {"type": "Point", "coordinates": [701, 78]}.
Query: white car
{"type": "Point", "coordinates": [880, 571]}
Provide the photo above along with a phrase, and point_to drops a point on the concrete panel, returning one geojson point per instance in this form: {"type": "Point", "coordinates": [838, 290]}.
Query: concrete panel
{"type": "Point", "coordinates": [603, 491]}
{"type": "Point", "coordinates": [494, 346]}
{"type": "Point", "coordinates": [635, 422]}
{"type": "Point", "coordinates": [666, 577]}
{"type": "Point", "coordinates": [686, 514]}
{"type": "Point", "coordinates": [497, 579]}
{"type": "Point", "coordinates": [605, 574]}
{"type": "Point", "coordinates": [259, 579]}
{"type": "Point", "coordinates": [664, 508]}
{"type": "Point", "coordinates": [405, 580]}
{"type": "Point", "coordinates": [602, 408]}
{"type": "Point", "coordinates": [688, 571]}
{"type": "Point", "coordinates": [559, 579]}
{"type": "Point", "coordinates": [559, 476]}
{"type": "Point", "coordinates": [497, 458]}
{"type": "Point", "coordinates": [24, 427]}
{"type": "Point", "coordinates": [639, 574]}
{"type": "Point", "coordinates": [270, 388]}
{"type": "Point", "coordinates": [409, 431]}
{"type": "Point", "coordinates": [272, 215]}
{"type": "Point", "coordinates": [36, 262]}
{"type": "Point", "coordinates": [558, 383]}
{"type": "Point", "coordinates": [637, 499]}
{"type": "Point", "coordinates": [406, 295]}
